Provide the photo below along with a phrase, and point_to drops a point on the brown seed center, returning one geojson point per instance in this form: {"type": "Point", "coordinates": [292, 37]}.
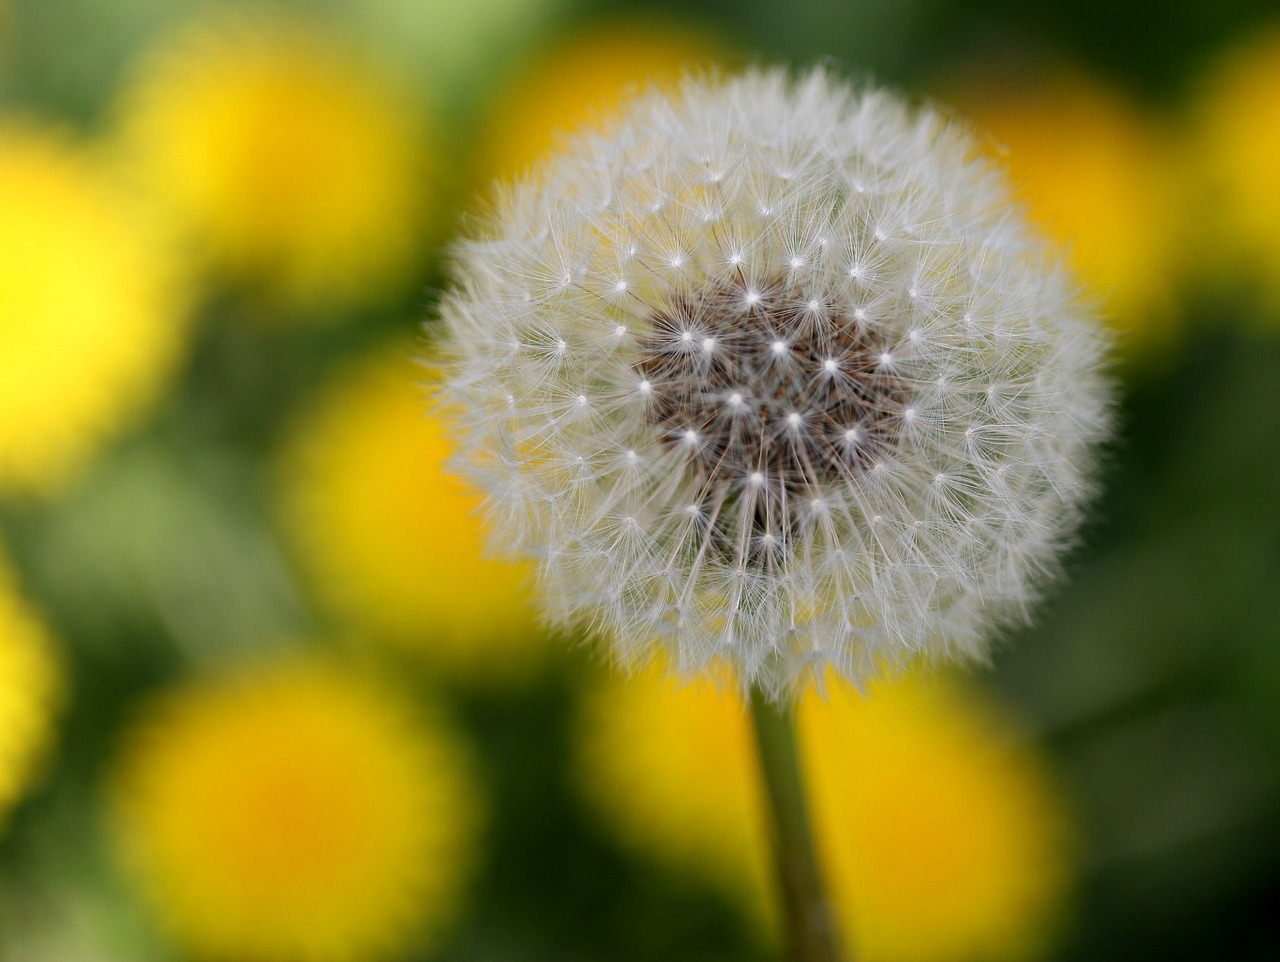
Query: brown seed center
{"type": "Point", "coordinates": [772, 395]}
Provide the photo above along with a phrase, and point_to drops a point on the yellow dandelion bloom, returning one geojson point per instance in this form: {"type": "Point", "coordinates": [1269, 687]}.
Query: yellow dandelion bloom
{"type": "Point", "coordinates": [389, 538]}
{"type": "Point", "coordinates": [28, 690]}
{"type": "Point", "coordinates": [582, 82]}
{"type": "Point", "coordinates": [90, 316]}
{"type": "Point", "coordinates": [296, 814]}
{"type": "Point", "coordinates": [941, 837]}
{"type": "Point", "coordinates": [1097, 174]}
{"type": "Point", "coordinates": [1234, 155]}
{"type": "Point", "coordinates": [289, 164]}
{"type": "Point", "coordinates": [674, 770]}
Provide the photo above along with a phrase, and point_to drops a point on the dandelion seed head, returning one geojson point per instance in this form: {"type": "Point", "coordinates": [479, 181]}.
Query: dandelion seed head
{"type": "Point", "coordinates": [858, 403]}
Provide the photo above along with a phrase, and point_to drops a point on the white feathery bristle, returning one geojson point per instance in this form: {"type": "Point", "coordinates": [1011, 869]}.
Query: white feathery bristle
{"type": "Point", "coordinates": [775, 374]}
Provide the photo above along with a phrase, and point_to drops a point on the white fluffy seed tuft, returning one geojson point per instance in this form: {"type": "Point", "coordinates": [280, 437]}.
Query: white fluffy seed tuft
{"type": "Point", "coordinates": [854, 416]}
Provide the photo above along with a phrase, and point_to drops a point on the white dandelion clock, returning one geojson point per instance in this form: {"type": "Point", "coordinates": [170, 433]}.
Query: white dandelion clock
{"type": "Point", "coordinates": [776, 375]}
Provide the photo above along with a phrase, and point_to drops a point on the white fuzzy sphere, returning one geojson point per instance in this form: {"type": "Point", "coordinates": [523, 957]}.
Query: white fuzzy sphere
{"type": "Point", "coordinates": [774, 374]}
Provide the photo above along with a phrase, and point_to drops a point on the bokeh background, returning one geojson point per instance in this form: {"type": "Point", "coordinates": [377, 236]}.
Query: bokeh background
{"type": "Point", "coordinates": [262, 698]}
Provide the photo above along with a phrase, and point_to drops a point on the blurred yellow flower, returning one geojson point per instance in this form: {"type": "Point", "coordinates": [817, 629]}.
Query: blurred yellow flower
{"type": "Point", "coordinates": [674, 770]}
{"type": "Point", "coordinates": [288, 163]}
{"type": "Point", "coordinates": [941, 836]}
{"type": "Point", "coordinates": [1234, 154]}
{"type": "Point", "coordinates": [944, 839]}
{"type": "Point", "coordinates": [389, 538]}
{"type": "Point", "coordinates": [91, 319]}
{"type": "Point", "coordinates": [29, 684]}
{"type": "Point", "coordinates": [294, 813]}
{"type": "Point", "coordinates": [1097, 174]}
{"type": "Point", "coordinates": [582, 81]}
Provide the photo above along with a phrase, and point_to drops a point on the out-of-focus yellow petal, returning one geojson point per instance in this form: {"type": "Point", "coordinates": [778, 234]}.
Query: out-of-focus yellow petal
{"type": "Point", "coordinates": [390, 539]}
{"type": "Point", "coordinates": [1233, 156]}
{"type": "Point", "coordinates": [674, 770]}
{"type": "Point", "coordinates": [288, 162]}
{"type": "Point", "coordinates": [1097, 174]}
{"type": "Point", "coordinates": [296, 813]}
{"type": "Point", "coordinates": [91, 319]}
{"type": "Point", "coordinates": [29, 684]}
{"type": "Point", "coordinates": [941, 835]}
{"type": "Point", "coordinates": [582, 82]}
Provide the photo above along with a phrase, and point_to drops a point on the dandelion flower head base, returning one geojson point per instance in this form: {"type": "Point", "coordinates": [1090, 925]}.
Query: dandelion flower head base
{"type": "Point", "coordinates": [768, 395]}
{"type": "Point", "coordinates": [775, 375]}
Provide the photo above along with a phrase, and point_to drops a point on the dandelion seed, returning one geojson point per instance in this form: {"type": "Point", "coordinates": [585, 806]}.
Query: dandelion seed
{"type": "Point", "coordinates": [752, 583]}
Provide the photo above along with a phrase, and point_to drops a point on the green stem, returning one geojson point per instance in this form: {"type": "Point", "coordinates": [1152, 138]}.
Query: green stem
{"type": "Point", "coordinates": [810, 926]}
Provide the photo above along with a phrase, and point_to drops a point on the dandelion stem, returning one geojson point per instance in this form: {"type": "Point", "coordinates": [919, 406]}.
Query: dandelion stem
{"type": "Point", "coordinates": [810, 928]}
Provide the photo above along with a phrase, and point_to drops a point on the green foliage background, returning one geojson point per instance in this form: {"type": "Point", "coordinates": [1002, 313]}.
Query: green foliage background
{"type": "Point", "coordinates": [1153, 676]}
